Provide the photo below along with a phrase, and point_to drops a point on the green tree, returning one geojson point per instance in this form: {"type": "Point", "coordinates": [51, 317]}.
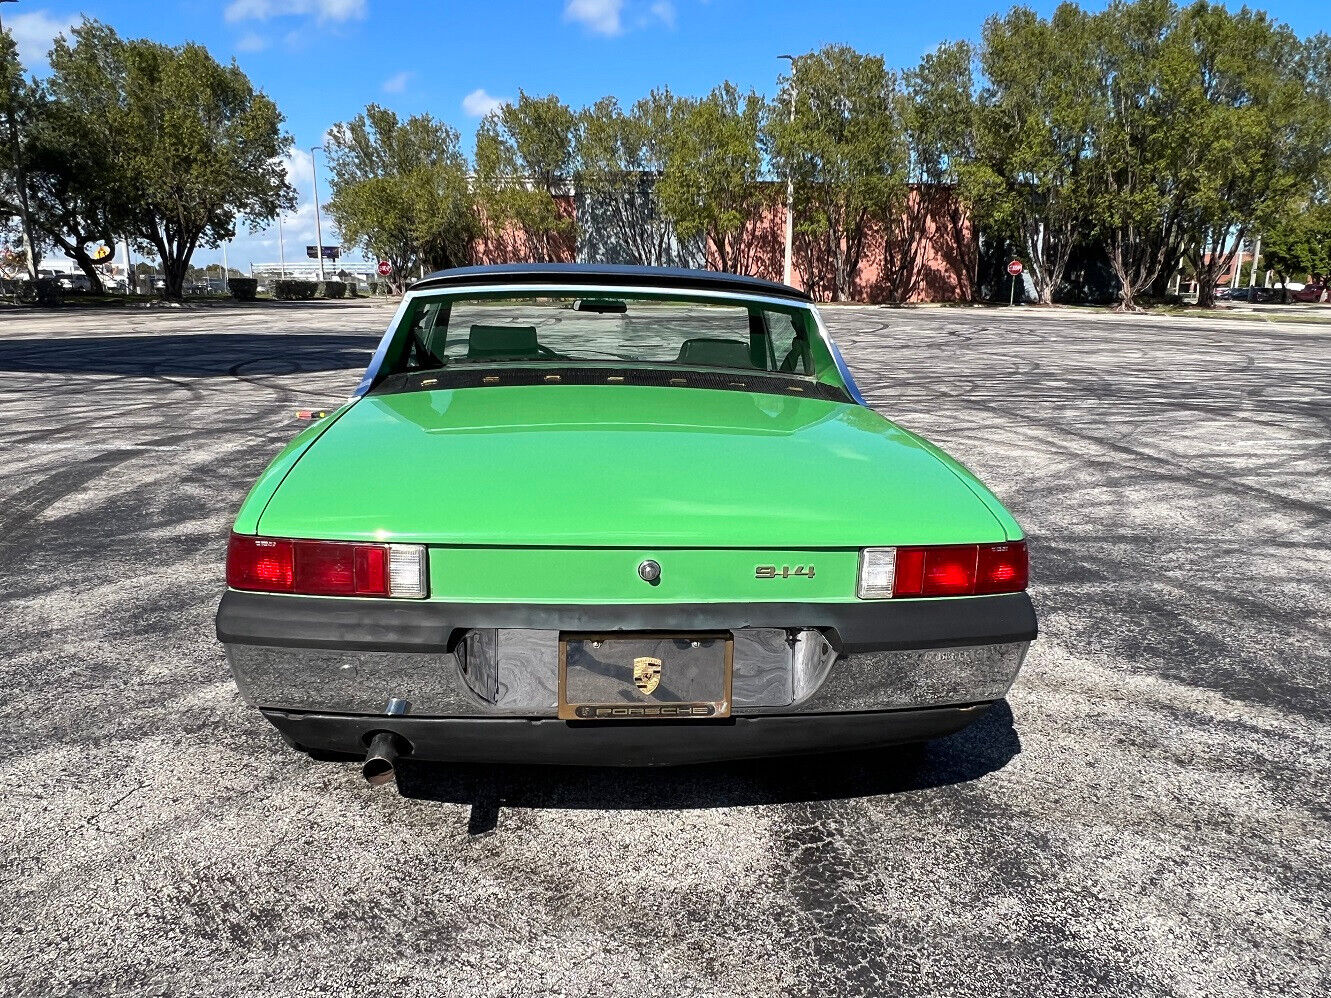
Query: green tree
{"type": "Point", "coordinates": [67, 176]}
{"type": "Point", "coordinates": [524, 157]}
{"type": "Point", "coordinates": [1298, 246]}
{"type": "Point", "coordinates": [938, 119]}
{"type": "Point", "coordinates": [1253, 138]}
{"type": "Point", "coordinates": [71, 183]}
{"type": "Point", "coordinates": [712, 184]}
{"type": "Point", "coordinates": [1138, 173]}
{"type": "Point", "coordinates": [192, 147]}
{"type": "Point", "coordinates": [400, 191]}
{"type": "Point", "coordinates": [845, 146]}
{"type": "Point", "coordinates": [1033, 135]}
{"type": "Point", "coordinates": [619, 160]}
{"type": "Point", "coordinates": [18, 101]}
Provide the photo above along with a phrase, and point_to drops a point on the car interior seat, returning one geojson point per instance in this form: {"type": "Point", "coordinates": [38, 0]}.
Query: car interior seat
{"type": "Point", "coordinates": [509, 342]}
{"type": "Point", "coordinates": [711, 352]}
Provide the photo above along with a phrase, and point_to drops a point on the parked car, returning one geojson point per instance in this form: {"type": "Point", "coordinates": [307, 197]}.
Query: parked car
{"type": "Point", "coordinates": [1257, 295]}
{"type": "Point", "coordinates": [1315, 292]}
{"type": "Point", "coordinates": [74, 282]}
{"type": "Point", "coordinates": [623, 516]}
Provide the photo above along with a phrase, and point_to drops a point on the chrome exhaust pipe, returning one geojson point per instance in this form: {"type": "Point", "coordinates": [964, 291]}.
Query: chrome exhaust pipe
{"type": "Point", "coordinates": [380, 762]}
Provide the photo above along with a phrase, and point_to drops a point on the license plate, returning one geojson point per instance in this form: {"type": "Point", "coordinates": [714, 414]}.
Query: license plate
{"type": "Point", "coordinates": [644, 677]}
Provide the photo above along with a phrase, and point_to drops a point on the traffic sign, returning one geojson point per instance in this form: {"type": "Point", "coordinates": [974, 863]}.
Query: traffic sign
{"type": "Point", "coordinates": [1015, 268]}
{"type": "Point", "coordinates": [329, 252]}
{"type": "Point", "coordinates": [385, 268]}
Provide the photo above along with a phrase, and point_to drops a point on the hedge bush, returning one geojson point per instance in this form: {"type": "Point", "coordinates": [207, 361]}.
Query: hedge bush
{"type": "Point", "coordinates": [243, 288]}
{"type": "Point", "coordinates": [289, 289]}
{"type": "Point", "coordinates": [46, 291]}
{"type": "Point", "coordinates": [334, 289]}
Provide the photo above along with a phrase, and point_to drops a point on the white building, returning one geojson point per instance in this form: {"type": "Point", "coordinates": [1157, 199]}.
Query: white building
{"type": "Point", "coordinates": [360, 271]}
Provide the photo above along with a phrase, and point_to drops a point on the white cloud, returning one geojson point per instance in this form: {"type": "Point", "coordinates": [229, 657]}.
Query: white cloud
{"type": "Point", "coordinates": [297, 230]}
{"type": "Point", "coordinates": [323, 10]}
{"type": "Point", "coordinates": [600, 16]}
{"type": "Point", "coordinates": [251, 42]}
{"type": "Point", "coordinates": [299, 167]}
{"type": "Point", "coordinates": [478, 103]}
{"type": "Point", "coordinates": [397, 83]}
{"type": "Point", "coordinates": [33, 34]}
{"type": "Point", "coordinates": [664, 11]}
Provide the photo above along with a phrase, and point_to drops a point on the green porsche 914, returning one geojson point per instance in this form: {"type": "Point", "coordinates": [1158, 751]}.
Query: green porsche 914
{"type": "Point", "coordinates": [618, 516]}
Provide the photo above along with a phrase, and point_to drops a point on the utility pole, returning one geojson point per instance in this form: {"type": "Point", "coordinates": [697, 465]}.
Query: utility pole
{"type": "Point", "coordinates": [318, 226]}
{"type": "Point", "coordinates": [20, 178]}
{"type": "Point", "coordinates": [131, 284]}
{"type": "Point", "coordinates": [790, 185]}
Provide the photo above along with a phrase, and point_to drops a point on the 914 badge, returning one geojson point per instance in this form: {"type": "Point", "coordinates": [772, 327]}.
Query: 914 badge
{"type": "Point", "coordinates": [784, 572]}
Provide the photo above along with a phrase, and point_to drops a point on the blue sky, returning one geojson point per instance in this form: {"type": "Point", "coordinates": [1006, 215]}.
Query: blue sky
{"type": "Point", "coordinates": [323, 60]}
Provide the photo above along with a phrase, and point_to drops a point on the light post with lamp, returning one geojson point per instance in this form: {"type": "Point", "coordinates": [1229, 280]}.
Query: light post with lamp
{"type": "Point", "coordinates": [318, 226]}
{"type": "Point", "coordinates": [790, 184]}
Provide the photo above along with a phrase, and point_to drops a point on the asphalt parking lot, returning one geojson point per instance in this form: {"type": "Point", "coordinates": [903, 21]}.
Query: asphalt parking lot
{"type": "Point", "coordinates": [1149, 813]}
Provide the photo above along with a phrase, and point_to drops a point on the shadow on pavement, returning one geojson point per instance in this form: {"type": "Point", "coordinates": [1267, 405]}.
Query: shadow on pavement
{"type": "Point", "coordinates": [190, 354]}
{"type": "Point", "coordinates": [984, 747]}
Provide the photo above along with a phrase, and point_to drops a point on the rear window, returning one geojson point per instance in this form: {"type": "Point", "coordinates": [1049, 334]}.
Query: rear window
{"type": "Point", "coordinates": [458, 333]}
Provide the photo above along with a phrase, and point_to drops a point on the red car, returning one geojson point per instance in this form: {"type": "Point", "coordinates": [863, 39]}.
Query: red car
{"type": "Point", "coordinates": [1309, 293]}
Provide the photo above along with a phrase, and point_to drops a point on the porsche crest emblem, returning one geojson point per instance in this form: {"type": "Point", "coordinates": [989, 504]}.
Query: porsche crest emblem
{"type": "Point", "coordinates": [647, 674]}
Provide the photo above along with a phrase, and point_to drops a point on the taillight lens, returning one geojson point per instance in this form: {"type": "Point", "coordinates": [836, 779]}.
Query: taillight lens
{"type": "Point", "coordinates": [325, 568]}
{"type": "Point", "coordinates": [1002, 568]}
{"type": "Point", "coordinates": [260, 563]}
{"type": "Point", "coordinates": [950, 570]}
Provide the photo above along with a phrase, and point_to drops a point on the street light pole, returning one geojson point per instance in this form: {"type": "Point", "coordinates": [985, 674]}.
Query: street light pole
{"type": "Point", "coordinates": [790, 185]}
{"type": "Point", "coordinates": [318, 226]}
{"type": "Point", "coordinates": [281, 248]}
{"type": "Point", "coordinates": [20, 179]}
{"type": "Point", "coordinates": [131, 285]}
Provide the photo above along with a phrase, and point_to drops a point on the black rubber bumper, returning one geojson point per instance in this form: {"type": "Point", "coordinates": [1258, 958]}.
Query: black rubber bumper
{"type": "Point", "coordinates": [553, 742]}
{"type": "Point", "coordinates": [428, 626]}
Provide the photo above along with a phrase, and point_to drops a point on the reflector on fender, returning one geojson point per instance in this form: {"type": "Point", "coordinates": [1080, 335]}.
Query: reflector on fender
{"type": "Point", "coordinates": [325, 568]}
{"type": "Point", "coordinates": [944, 570]}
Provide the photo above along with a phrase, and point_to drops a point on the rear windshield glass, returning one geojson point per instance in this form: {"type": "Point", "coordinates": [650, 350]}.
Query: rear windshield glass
{"type": "Point", "coordinates": [456, 333]}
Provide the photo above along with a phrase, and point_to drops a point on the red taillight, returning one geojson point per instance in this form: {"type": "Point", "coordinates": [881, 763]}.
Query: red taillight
{"type": "Point", "coordinates": [260, 563]}
{"type": "Point", "coordinates": [1003, 568]}
{"type": "Point", "coordinates": [311, 568]}
{"type": "Point", "coordinates": [325, 569]}
{"type": "Point", "coordinates": [910, 572]}
{"type": "Point", "coordinates": [961, 570]}
{"type": "Point", "coordinates": [372, 570]}
{"type": "Point", "coordinates": [949, 571]}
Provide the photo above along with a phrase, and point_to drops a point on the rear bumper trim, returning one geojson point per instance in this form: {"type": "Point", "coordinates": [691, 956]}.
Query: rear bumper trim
{"type": "Point", "coordinates": [553, 742]}
{"type": "Point", "coordinates": [347, 624]}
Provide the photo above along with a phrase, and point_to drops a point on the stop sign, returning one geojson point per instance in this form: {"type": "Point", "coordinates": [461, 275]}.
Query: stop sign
{"type": "Point", "coordinates": [1014, 268]}
{"type": "Point", "coordinates": [385, 268]}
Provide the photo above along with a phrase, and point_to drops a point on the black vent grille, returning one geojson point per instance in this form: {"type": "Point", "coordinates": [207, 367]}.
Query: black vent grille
{"type": "Point", "coordinates": [497, 377]}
